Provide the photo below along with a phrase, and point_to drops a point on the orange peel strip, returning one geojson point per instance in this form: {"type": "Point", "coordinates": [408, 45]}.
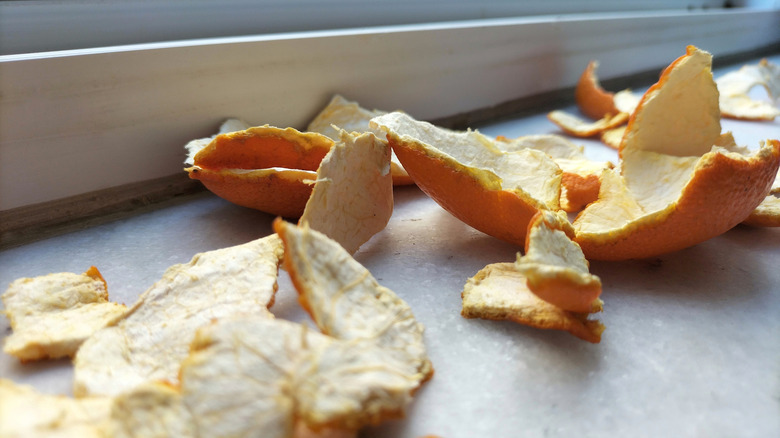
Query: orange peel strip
{"type": "Point", "coordinates": [767, 214]}
{"type": "Point", "coordinates": [591, 98]}
{"type": "Point", "coordinates": [264, 168]}
{"type": "Point", "coordinates": [52, 315]}
{"type": "Point", "coordinates": [613, 137]}
{"type": "Point", "coordinates": [347, 115]}
{"type": "Point", "coordinates": [466, 173]}
{"type": "Point", "coordinates": [579, 127]}
{"type": "Point", "coordinates": [734, 87]}
{"type": "Point", "coordinates": [555, 267]}
{"type": "Point", "coordinates": [500, 292]}
{"type": "Point", "coordinates": [352, 198]}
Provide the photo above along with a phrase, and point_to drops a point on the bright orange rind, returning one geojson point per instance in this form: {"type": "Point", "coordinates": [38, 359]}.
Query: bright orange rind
{"type": "Point", "coordinates": [467, 173]}
{"type": "Point", "coordinates": [681, 181]}
{"type": "Point", "coordinates": [591, 98]}
{"type": "Point", "coordinates": [578, 127]}
{"type": "Point", "coordinates": [555, 268]}
{"type": "Point", "coordinates": [264, 168]}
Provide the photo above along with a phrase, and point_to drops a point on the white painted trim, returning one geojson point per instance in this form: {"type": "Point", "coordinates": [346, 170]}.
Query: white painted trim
{"type": "Point", "coordinates": [78, 121]}
{"type": "Point", "coordinates": [46, 25]}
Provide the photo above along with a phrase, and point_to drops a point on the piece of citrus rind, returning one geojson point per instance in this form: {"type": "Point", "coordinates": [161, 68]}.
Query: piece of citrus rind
{"type": "Point", "coordinates": [277, 191]}
{"type": "Point", "coordinates": [626, 101]}
{"type": "Point", "coordinates": [264, 167]}
{"type": "Point", "coordinates": [579, 127]}
{"type": "Point", "coordinates": [500, 292]}
{"type": "Point", "coordinates": [352, 198]}
{"type": "Point", "coordinates": [580, 178]}
{"type": "Point", "coordinates": [555, 267]}
{"type": "Point", "coordinates": [152, 409]}
{"type": "Point", "coordinates": [734, 87]}
{"type": "Point", "coordinates": [149, 342]}
{"type": "Point", "coordinates": [467, 174]}
{"type": "Point", "coordinates": [342, 114]}
{"type": "Point", "coordinates": [767, 214]}
{"type": "Point", "coordinates": [591, 98]}
{"type": "Point", "coordinates": [195, 146]}
{"type": "Point", "coordinates": [664, 203]}
{"type": "Point", "coordinates": [613, 137]}
{"type": "Point", "coordinates": [679, 114]}
{"type": "Point", "coordinates": [52, 315]}
{"type": "Point", "coordinates": [25, 412]}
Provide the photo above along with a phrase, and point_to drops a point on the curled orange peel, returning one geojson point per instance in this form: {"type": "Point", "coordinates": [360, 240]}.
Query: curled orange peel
{"type": "Point", "coordinates": [681, 181]}
{"type": "Point", "coordinates": [470, 176]}
{"type": "Point", "coordinates": [265, 168]}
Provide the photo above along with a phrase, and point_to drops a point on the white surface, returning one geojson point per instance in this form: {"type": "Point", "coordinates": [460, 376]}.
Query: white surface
{"type": "Point", "coordinates": [692, 346]}
{"type": "Point", "coordinates": [73, 122]}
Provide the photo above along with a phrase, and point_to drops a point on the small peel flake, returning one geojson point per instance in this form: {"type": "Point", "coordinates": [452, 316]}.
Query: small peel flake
{"type": "Point", "coordinates": [352, 198]}
{"type": "Point", "coordinates": [500, 292]}
{"type": "Point", "coordinates": [579, 127]}
{"type": "Point", "coordinates": [342, 114]}
{"type": "Point", "coordinates": [52, 315]}
{"type": "Point", "coordinates": [555, 267]}
{"type": "Point", "coordinates": [767, 214]}
{"type": "Point", "coordinates": [153, 337]}
{"type": "Point", "coordinates": [25, 412]}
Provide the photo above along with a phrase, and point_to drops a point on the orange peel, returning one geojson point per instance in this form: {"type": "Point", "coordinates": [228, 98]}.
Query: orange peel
{"type": "Point", "coordinates": [265, 168]}
{"type": "Point", "coordinates": [555, 268]}
{"type": "Point", "coordinates": [347, 115]}
{"type": "Point", "coordinates": [591, 98]}
{"type": "Point", "coordinates": [734, 87]}
{"type": "Point", "coordinates": [579, 127]}
{"type": "Point", "coordinates": [682, 181]}
{"type": "Point", "coordinates": [581, 177]}
{"type": "Point", "coordinates": [352, 198]}
{"type": "Point", "coordinates": [500, 292]}
{"type": "Point", "coordinates": [613, 137]}
{"type": "Point", "coordinates": [767, 214]}
{"type": "Point", "coordinates": [468, 174]}
{"type": "Point", "coordinates": [52, 315]}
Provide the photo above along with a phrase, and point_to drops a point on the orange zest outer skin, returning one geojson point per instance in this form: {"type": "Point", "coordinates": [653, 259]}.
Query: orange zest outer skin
{"type": "Point", "coordinates": [739, 186]}
{"type": "Point", "coordinates": [591, 98]}
{"type": "Point", "coordinates": [265, 147]}
{"type": "Point", "coordinates": [269, 193]}
{"type": "Point", "coordinates": [498, 213]}
{"type": "Point", "coordinates": [580, 191]}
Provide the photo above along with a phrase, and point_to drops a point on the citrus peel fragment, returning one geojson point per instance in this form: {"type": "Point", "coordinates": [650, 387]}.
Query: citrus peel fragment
{"type": "Point", "coordinates": [347, 115]}
{"type": "Point", "coordinates": [591, 98]}
{"type": "Point", "coordinates": [265, 168]}
{"type": "Point", "coordinates": [149, 342]}
{"type": "Point", "coordinates": [767, 214]}
{"type": "Point", "coordinates": [579, 127]}
{"type": "Point", "coordinates": [500, 292]}
{"type": "Point", "coordinates": [467, 173]}
{"type": "Point", "coordinates": [734, 87]}
{"type": "Point", "coordinates": [555, 268]}
{"type": "Point", "coordinates": [52, 315]}
{"type": "Point", "coordinates": [352, 198]}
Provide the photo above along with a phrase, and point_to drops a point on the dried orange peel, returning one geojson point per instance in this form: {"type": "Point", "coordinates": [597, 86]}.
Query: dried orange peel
{"type": "Point", "coordinates": [352, 198]}
{"type": "Point", "coordinates": [265, 168]}
{"type": "Point", "coordinates": [581, 177]}
{"type": "Point", "coordinates": [767, 214]}
{"type": "Point", "coordinates": [149, 342]}
{"type": "Point", "coordinates": [500, 292]}
{"type": "Point", "coordinates": [347, 115]}
{"type": "Point", "coordinates": [579, 127]}
{"type": "Point", "coordinates": [681, 182]}
{"type": "Point", "coordinates": [734, 87]}
{"type": "Point", "coordinates": [555, 267]}
{"type": "Point", "coordinates": [52, 315]}
{"type": "Point", "coordinates": [245, 374]}
{"type": "Point", "coordinates": [467, 173]}
{"type": "Point", "coordinates": [591, 98]}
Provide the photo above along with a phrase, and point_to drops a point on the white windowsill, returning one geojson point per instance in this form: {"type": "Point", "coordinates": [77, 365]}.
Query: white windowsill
{"type": "Point", "coordinates": [73, 122]}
